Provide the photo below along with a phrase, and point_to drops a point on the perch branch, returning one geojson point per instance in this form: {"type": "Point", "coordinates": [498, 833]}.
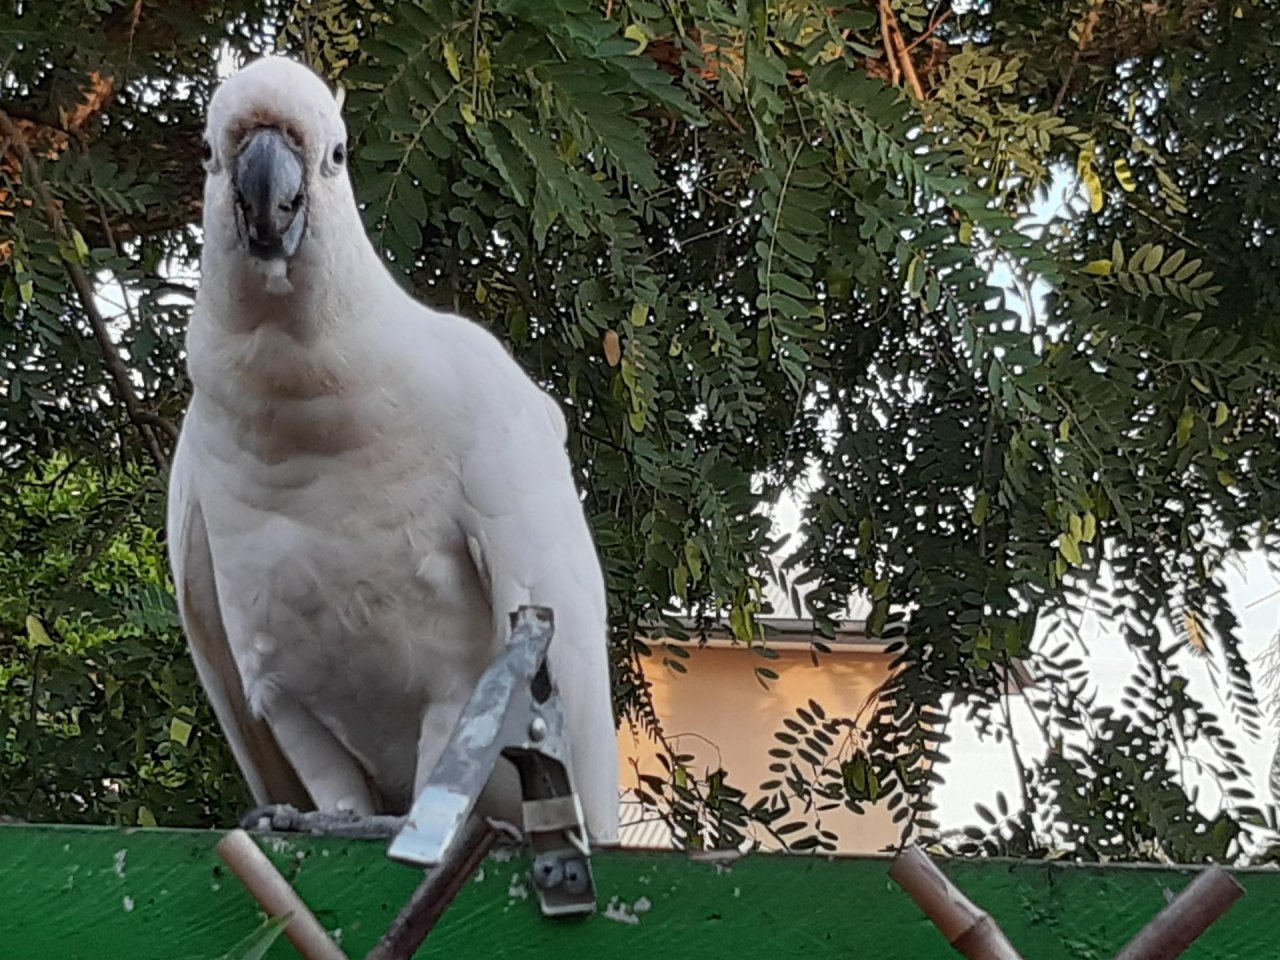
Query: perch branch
{"type": "Point", "coordinates": [1174, 928]}
{"type": "Point", "coordinates": [969, 929]}
{"type": "Point", "coordinates": [145, 422]}
{"type": "Point", "coordinates": [276, 896]}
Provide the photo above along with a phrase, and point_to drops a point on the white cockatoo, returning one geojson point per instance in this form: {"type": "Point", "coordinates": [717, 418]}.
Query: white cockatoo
{"type": "Point", "coordinates": [364, 489]}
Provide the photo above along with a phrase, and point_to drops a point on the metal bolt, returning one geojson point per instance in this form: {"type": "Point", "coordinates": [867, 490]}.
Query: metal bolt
{"type": "Point", "coordinates": [537, 729]}
{"type": "Point", "coordinates": [577, 876]}
{"type": "Point", "coordinates": [548, 870]}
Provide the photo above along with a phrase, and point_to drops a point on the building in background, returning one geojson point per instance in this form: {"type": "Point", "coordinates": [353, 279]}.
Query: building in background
{"type": "Point", "coordinates": [721, 713]}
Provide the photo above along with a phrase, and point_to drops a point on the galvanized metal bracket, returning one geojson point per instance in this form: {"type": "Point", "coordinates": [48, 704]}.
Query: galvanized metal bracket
{"type": "Point", "coordinates": [515, 712]}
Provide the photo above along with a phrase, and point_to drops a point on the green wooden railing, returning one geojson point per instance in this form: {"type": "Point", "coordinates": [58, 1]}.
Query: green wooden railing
{"type": "Point", "coordinates": [87, 892]}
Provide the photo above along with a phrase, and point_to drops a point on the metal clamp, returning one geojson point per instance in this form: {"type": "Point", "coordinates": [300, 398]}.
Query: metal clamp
{"type": "Point", "coordinates": [514, 712]}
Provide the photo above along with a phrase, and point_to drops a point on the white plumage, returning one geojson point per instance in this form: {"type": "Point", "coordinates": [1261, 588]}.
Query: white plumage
{"type": "Point", "coordinates": [363, 490]}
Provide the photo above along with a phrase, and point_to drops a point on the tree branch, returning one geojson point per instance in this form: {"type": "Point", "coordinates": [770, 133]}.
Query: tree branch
{"type": "Point", "coordinates": [1086, 34]}
{"type": "Point", "coordinates": [895, 48]}
{"type": "Point", "coordinates": [931, 29]}
{"type": "Point", "coordinates": [145, 422]}
{"type": "Point", "coordinates": [18, 112]}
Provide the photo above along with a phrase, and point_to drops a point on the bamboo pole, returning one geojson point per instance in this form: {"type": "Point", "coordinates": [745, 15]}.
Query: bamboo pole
{"type": "Point", "coordinates": [1176, 927]}
{"type": "Point", "coordinates": [275, 895]}
{"type": "Point", "coordinates": [969, 929]}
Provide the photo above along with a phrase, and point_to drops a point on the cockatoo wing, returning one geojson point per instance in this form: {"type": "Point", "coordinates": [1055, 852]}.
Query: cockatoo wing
{"type": "Point", "coordinates": [531, 544]}
{"type": "Point", "coordinates": [269, 774]}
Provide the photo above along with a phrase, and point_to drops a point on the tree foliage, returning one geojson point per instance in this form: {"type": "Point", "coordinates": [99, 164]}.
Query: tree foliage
{"type": "Point", "coordinates": [746, 244]}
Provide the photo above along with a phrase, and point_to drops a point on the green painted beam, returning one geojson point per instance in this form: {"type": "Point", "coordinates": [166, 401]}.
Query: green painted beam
{"type": "Point", "coordinates": [92, 892]}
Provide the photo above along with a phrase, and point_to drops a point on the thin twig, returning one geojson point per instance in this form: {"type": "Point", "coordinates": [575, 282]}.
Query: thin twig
{"type": "Point", "coordinates": [705, 234]}
{"type": "Point", "coordinates": [896, 49]}
{"type": "Point", "coordinates": [1086, 34]}
{"type": "Point", "coordinates": [165, 425]}
{"type": "Point", "coordinates": [1028, 804]}
{"type": "Point", "coordinates": [890, 52]}
{"type": "Point", "coordinates": [90, 557]}
{"type": "Point", "coordinates": [929, 32]}
{"type": "Point", "coordinates": [475, 55]}
{"type": "Point", "coordinates": [145, 422]}
{"type": "Point", "coordinates": [721, 109]}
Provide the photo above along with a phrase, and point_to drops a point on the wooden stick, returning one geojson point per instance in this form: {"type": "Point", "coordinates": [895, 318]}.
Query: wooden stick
{"type": "Point", "coordinates": [276, 896]}
{"type": "Point", "coordinates": [1174, 928]}
{"type": "Point", "coordinates": [970, 930]}
{"type": "Point", "coordinates": [418, 917]}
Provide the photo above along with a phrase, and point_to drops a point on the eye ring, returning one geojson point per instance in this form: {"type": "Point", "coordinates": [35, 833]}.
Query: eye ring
{"type": "Point", "coordinates": [332, 164]}
{"type": "Point", "coordinates": [207, 157]}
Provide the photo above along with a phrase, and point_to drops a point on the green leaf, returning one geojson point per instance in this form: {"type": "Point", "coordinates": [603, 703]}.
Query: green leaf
{"type": "Point", "coordinates": [81, 248]}
{"type": "Point", "coordinates": [255, 945]}
{"type": "Point", "coordinates": [1124, 176]}
{"type": "Point", "coordinates": [37, 636]}
{"type": "Point", "coordinates": [636, 32]}
{"type": "Point", "coordinates": [1185, 422]}
{"type": "Point", "coordinates": [179, 731]}
{"type": "Point", "coordinates": [1172, 263]}
{"type": "Point", "coordinates": [1089, 528]}
{"type": "Point", "coordinates": [451, 61]}
{"type": "Point", "coordinates": [693, 558]}
{"type": "Point", "coordinates": [1069, 547]}
{"type": "Point", "coordinates": [980, 508]}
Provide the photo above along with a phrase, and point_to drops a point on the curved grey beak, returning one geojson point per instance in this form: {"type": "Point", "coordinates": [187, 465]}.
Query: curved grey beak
{"type": "Point", "coordinates": [270, 182]}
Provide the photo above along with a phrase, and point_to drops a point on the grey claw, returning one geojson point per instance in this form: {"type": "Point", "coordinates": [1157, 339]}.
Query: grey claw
{"type": "Point", "coordinates": [272, 816]}
{"type": "Point", "coordinates": [506, 831]}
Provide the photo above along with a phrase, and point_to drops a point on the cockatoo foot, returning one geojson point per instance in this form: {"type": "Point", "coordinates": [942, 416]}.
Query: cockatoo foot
{"type": "Point", "coordinates": [508, 834]}
{"type": "Point", "coordinates": [283, 818]}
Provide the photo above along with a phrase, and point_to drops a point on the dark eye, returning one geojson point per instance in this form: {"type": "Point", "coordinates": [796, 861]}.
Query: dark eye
{"type": "Point", "coordinates": [339, 154]}
{"type": "Point", "coordinates": [206, 152]}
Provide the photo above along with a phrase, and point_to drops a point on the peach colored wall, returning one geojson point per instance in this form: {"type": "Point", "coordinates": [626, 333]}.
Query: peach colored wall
{"type": "Point", "coordinates": [720, 713]}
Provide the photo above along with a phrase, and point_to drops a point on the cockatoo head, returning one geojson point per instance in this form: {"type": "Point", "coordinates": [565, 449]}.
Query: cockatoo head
{"type": "Point", "coordinates": [275, 153]}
